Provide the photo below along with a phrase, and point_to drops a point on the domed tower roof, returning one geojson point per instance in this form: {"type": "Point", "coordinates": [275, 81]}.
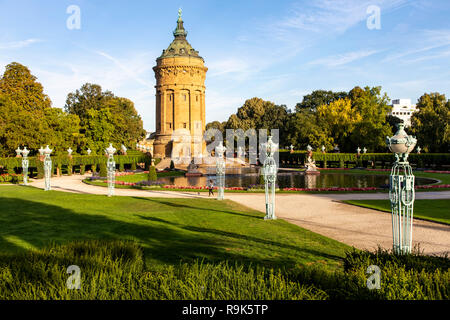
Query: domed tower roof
{"type": "Point", "coordinates": [179, 47]}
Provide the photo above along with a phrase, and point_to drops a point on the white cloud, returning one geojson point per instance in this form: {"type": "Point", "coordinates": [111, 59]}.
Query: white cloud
{"type": "Point", "coordinates": [331, 16]}
{"type": "Point", "coordinates": [18, 44]}
{"type": "Point", "coordinates": [423, 41]}
{"type": "Point", "coordinates": [342, 59]}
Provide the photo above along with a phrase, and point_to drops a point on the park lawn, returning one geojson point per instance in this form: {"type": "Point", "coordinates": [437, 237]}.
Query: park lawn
{"type": "Point", "coordinates": [433, 210]}
{"type": "Point", "coordinates": [169, 230]}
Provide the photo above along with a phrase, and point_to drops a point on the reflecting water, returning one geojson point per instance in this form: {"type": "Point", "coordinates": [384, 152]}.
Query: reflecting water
{"type": "Point", "coordinates": [247, 176]}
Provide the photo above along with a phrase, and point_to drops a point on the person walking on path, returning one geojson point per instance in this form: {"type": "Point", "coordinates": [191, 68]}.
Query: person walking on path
{"type": "Point", "coordinates": [210, 188]}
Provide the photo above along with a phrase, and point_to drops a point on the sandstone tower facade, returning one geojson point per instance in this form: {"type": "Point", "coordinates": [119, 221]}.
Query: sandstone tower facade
{"type": "Point", "coordinates": [180, 93]}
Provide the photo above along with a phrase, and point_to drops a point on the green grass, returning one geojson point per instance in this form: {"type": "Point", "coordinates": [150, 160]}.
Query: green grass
{"type": "Point", "coordinates": [169, 230]}
{"type": "Point", "coordinates": [436, 210]}
{"type": "Point", "coordinates": [116, 270]}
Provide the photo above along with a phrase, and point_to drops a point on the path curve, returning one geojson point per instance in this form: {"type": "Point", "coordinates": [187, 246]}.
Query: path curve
{"type": "Point", "coordinates": [360, 227]}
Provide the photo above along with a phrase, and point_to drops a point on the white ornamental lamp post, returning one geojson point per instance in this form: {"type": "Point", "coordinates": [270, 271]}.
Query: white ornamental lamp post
{"type": "Point", "coordinates": [270, 178]}
{"type": "Point", "coordinates": [18, 152]}
{"type": "Point", "coordinates": [323, 149]}
{"type": "Point", "coordinates": [124, 149]}
{"type": "Point", "coordinates": [47, 168]}
{"type": "Point", "coordinates": [358, 150]}
{"type": "Point", "coordinates": [292, 148]}
{"type": "Point", "coordinates": [309, 148]}
{"type": "Point", "coordinates": [418, 150]}
{"type": "Point", "coordinates": [88, 152]}
{"type": "Point", "coordinates": [111, 166]}
{"type": "Point", "coordinates": [69, 152]}
{"type": "Point", "coordinates": [364, 150]}
{"type": "Point", "coordinates": [220, 170]}
{"type": "Point", "coordinates": [401, 190]}
{"type": "Point", "coordinates": [41, 151]}
{"type": "Point", "coordinates": [25, 153]}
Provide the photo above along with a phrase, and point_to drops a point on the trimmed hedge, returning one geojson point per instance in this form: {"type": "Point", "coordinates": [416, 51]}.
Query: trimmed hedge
{"type": "Point", "coordinates": [341, 160]}
{"type": "Point", "coordinates": [14, 165]}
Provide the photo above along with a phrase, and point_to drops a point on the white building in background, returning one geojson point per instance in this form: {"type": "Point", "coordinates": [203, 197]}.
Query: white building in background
{"type": "Point", "coordinates": [403, 109]}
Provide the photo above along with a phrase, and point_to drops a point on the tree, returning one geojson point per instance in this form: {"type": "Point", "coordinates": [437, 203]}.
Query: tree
{"type": "Point", "coordinates": [318, 98]}
{"type": "Point", "coordinates": [338, 120]}
{"type": "Point", "coordinates": [105, 118]}
{"type": "Point", "coordinates": [371, 129]}
{"type": "Point", "coordinates": [22, 88]}
{"type": "Point", "coordinates": [431, 123]}
{"type": "Point", "coordinates": [257, 113]}
{"type": "Point", "coordinates": [27, 116]}
{"type": "Point", "coordinates": [305, 130]}
{"type": "Point", "coordinates": [90, 96]}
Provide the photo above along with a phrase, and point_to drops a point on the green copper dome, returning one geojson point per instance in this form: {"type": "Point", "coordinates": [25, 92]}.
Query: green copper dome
{"type": "Point", "coordinates": [179, 47]}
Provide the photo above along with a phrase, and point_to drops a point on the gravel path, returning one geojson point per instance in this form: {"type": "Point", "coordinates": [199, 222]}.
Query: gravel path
{"type": "Point", "coordinates": [321, 213]}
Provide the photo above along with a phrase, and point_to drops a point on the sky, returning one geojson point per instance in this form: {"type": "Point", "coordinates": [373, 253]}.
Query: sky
{"type": "Point", "coordinates": [276, 50]}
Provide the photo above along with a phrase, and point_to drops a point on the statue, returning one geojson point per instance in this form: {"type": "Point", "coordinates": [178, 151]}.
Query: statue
{"type": "Point", "coordinates": [310, 163]}
{"type": "Point", "coordinates": [192, 170]}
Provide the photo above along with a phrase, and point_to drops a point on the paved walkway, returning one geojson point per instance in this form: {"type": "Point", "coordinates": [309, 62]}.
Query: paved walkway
{"type": "Point", "coordinates": [321, 213]}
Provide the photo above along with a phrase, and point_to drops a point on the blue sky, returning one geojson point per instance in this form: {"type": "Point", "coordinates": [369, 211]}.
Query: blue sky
{"type": "Point", "coordinates": [275, 50]}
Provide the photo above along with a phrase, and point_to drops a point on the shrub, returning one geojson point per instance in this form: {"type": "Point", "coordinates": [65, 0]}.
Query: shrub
{"type": "Point", "coordinates": [103, 171]}
{"type": "Point", "coordinates": [152, 176]}
{"type": "Point", "coordinates": [172, 165]}
{"type": "Point", "coordinates": [133, 166]}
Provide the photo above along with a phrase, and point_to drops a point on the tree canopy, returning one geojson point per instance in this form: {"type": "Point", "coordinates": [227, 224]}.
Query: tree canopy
{"type": "Point", "coordinates": [431, 122]}
{"type": "Point", "coordinates": [93, 117]}
{"type": "Point", "coordinates": [349, 120]}
{"type": "Point", "coordinates": [104, 117]}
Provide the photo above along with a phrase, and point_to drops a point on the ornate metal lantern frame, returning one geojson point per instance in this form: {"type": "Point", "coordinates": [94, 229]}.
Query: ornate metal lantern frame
{"type": "Point", "coordinates": [25, 163]}
{"type": "Point", "coordinates": [270, 177]}
{"type": "Point", "coordinates": [220, 170]}
{"type": "Point", "coordinates": [111, 168]}
{"type": "Point", "coordinates": [401, 190]}
{"type": "Point", "coordinates": [47, 168]}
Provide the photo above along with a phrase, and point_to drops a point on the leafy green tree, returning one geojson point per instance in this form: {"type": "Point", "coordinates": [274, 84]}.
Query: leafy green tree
{"type": "Point", "coordinates": [431, 123]}
{"type": "Point", "coordinates": [22, 88]}
{"type": "Point", "coordinates": [371, 129]}
{"type": "Point", "coordinates": [27, 116]}
{"type": "Point", "coordinates": [105, 118]}
{"type": "Point", "coordinates": [257, 113]}
{"type": "Point", "coordinates": [304, 129]}
{"type": "Point", "coordinates": [338, 120]}
{"type": "Point", "coordinates": [318, 98]}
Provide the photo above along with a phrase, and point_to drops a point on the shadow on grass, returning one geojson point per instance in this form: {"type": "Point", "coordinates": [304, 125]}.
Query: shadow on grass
{"type": "Point", "coordinates": [25, 224]}
{"type": "Point", "coordinates": [176, 205]}
{"type": "Point", "coordinates": [238, 236]}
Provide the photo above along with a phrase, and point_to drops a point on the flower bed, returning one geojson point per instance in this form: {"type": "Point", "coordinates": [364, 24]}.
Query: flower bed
{"type": "Point", "coordinates": [433, 186]}
{"type": "Point", "coordinates": [200, 187]}
{"type": "Point", "coordinates": [118, 174]}
{"type": "Point", "coordinates": [436, 171]}
{"type": "Point", "coordinates": [11, 178]}
{"type": "Point", "coordinates": [332, 189]}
